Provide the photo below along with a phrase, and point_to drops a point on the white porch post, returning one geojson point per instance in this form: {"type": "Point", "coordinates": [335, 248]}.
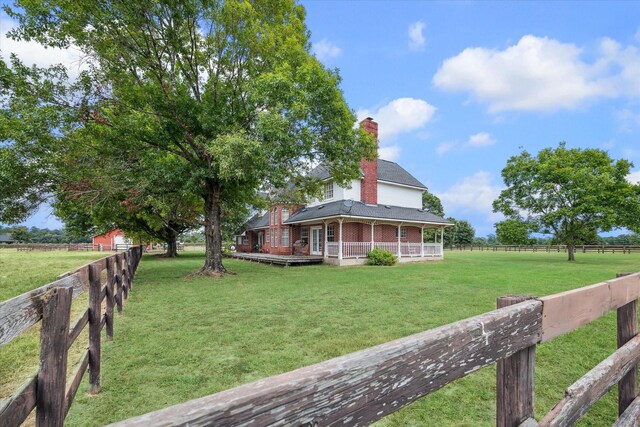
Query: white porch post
{"type": "Point", "coordinates": [422, 241]}
{"type": "Point", "coordinates": [324, 247]}
{"type": "Point", "coordinates": [373, 223]}
{"type": "Point", "coordinates": [399, 252]}
{"type": "Point", "coordinates": [340, 239]}
{"type": "Point", "coordinates": [442, 242]}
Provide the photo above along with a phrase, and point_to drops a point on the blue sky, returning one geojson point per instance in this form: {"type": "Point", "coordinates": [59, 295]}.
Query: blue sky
{"type": "Point", "coordinates": [458, 87]}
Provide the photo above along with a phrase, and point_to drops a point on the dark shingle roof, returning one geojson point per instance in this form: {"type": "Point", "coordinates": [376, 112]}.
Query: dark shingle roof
{"type": "Point", "coordinates": [349, 208]}
{"type": "Point", "coordinates": [387, 171]}
{"type": "Point", "coordinates": [393, 172]}
{"type": "Point", "coordinates": [258, 222]}
{"type": "Point", "coordinates": [5, 238]}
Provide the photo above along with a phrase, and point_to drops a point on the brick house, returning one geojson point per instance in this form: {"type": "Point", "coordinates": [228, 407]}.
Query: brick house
{"type": "Point", "coordinates": [381, 209]}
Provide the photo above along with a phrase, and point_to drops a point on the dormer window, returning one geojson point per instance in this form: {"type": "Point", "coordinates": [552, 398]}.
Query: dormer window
{"type": "Point", "coordinates": [328, 190]}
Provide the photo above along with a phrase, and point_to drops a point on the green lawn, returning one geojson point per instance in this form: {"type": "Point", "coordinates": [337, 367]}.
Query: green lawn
{"type": "Point", "coordinates": [181, 339]}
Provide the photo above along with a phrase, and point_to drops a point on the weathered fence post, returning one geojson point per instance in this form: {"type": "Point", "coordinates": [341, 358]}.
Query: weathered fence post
{"type": "Point", "coordinates": [125, 274]}
{"type": "Point", "coordinates": [514, 380]}
{"type": "Point", "coordinates": [51, 386]}
{"type": "Point", "coordinates": [119, 282]}
{"type": "Point", "coordinates": [110, 299]}
{"type": "Point", "coordinates": [627, 329]}
{"type": "Point", "coordinates": [95, 311]}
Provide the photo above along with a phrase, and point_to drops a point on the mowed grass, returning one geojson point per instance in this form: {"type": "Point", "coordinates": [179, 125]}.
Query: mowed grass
{"type": "Point", "coordinates": [22, 272]}
{"type": "Point", "coordinates": [182, 339]}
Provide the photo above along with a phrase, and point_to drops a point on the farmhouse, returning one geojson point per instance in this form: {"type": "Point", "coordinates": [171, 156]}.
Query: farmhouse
{"type": "Point", "coordinates": [111, 241]}
{"type": "Point", "coordinates": [382, 209]}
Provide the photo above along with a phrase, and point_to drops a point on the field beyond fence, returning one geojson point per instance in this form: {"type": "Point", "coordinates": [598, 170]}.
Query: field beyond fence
{"type": "Point", "coordinates": [624, 249]}
{"type": "Point", "coordinates": [47, 390]}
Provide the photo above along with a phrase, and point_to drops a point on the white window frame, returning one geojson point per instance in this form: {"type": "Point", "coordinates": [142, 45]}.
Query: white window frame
{"type": "Point", "coordinates": [304, 234]}
{"type": "Point", "coordinates": [403, 232]}
{"type": "Point", "coordinates": [331, 233]}
{"type": "Point", "coordinates": [267, 236]}
{"type": "Point", "coordinates": [285, 214]}
{"type": "Point", "coordinates": [284, 237]}
{"type": "Point", "coordinates": [328, 190]}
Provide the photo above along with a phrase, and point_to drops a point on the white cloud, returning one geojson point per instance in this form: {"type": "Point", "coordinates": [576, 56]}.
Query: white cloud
{"type": "Point", "coordinates": [391, 153]}
{"type": "Point", "coordinates": [482, 139]}
{"type": "Point", "coordinates": [34, 53]}
{"type": "Point", "coordinates": [627, 120]}
{"type": "Point", "coordinates": [540, 74]}
{"type": "Point", "coordinates": [445, 147]}
{"type": "Point", "coordinates": [324, 49]}
{"type": "Point", "coordinates": [474, 193]}
{"type": "Point", "coordinates": [634, 177]}
{"type": "Point", "coordinates": [416, 38]}
{"type": "Point", "coordinates": [399, 116]}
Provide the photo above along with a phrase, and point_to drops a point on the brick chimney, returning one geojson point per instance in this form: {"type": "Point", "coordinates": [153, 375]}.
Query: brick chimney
{"type": "Point", "coordinates": [369, 186]}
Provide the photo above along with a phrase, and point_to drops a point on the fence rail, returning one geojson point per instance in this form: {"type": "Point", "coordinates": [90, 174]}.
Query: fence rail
{"type": "Point", "coordinates": [625, 249]}
{"type": "Point", "coordinates": [47, 391]}
{"type": "Point", "coordinates": [362, 387]}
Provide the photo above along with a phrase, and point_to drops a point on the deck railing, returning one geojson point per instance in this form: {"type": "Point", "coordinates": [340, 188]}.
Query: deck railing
{"type": "Point", "coordinates": [362, 387]}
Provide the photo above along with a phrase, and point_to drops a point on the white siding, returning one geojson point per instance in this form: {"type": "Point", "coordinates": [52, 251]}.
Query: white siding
{"type": "Point", "coordinates": [396, 195]}
{"type": "Point", "coordinates": [340, 193]}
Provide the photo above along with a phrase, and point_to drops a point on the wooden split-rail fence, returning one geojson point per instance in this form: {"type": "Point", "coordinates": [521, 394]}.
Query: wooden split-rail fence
{"type": "Point", "coordinates": [362, 387]}
{"type": "Point", "coordinates": [48, 390]}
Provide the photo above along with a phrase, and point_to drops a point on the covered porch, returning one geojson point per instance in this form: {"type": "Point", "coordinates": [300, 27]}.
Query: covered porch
{"type": "Point", "coordinates": [347, 241]}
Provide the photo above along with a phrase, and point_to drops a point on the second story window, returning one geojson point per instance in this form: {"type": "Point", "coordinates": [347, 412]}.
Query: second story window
{"type": "Point", "coordinates": [285, 214]}
{"type": "Point", "coordinates": [328, 190]}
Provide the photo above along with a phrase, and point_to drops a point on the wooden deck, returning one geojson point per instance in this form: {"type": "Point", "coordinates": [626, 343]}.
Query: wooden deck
{"type": "Point", "coordinates": [285, 260]}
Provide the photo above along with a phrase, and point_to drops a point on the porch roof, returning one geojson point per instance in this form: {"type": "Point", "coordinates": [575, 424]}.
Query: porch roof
{"type": "Point", "coordinates": [258, 222]}
{"type": "Point", "coordinates": [350, 208]}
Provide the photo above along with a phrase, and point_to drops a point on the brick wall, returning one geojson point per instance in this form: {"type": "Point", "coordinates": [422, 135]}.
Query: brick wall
{"type": "Point", "coordinates": [369, 187]}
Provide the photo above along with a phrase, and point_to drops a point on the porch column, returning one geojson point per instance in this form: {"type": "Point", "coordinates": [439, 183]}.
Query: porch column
{"type": "Point", "coordinates": [324, 247]}
{"type": "Point", "coordinates": [399, 252]}
{"type": "Point", "coordinates": [422, 241]}
{"type": "Point", "coordinates": [340, 239]}
{"type": "Point", "coordinates": [372, 234]}
{"type": "Point", "coordinates": [442, 242]}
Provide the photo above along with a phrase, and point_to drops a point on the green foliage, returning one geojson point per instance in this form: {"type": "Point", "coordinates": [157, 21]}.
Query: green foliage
{"type": "Point", "coordinates": [21, 234]}
{"type": "Point", "coordinates": [573, 193]}
{"type": "Point", "coordinates": [432, 204]}
{"type": "Point", "coordinates": [380, 256]}
{"type": "Point", "coordinates": [513, 232]}
{"type": "Point", "coordinates": [228, 86]}
{"type": "Point", "coordinates": [464, 233]}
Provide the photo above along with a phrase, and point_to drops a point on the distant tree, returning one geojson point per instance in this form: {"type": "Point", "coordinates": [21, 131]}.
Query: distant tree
{"type": "Point", "coordinates": [481, 241]}
{"type": "Point", "coordinates": [450, 232]}
{"type": "Point", "coordinates": [491, 239]}
{"type": "Point", "coordinates": [21, 234]}
{"type": "Point", "coordinates": [464, 233]}
{"type": "Point", "coordinates": [432, 204]}
{"type": "Point", "coordinates": [513, 232]}
{"type": "Point", "coordinates": [573, 193]}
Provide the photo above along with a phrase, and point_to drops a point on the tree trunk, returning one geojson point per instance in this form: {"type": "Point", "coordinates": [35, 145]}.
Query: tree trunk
{"type": "Point", "coordinates": [571, 249]}
{"type": "Point", "coordinates": [212, 232]}
{"type": "Point", "coordinates": [172, 241]}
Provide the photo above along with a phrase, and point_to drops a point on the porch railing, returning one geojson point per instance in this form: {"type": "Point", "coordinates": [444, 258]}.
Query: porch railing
{"type": "Point", "coordinates": [433, 249]}
{"type": "Point", "coordinates": [361, 249]}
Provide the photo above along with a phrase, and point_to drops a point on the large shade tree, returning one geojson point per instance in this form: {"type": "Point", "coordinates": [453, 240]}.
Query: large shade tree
{"type": "Point", "coordinates": [572, 193]}
{"type": "Point", "coordinates": [230, 85]}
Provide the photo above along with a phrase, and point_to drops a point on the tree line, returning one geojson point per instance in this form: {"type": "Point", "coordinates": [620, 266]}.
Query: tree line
{"type": "Point", "coordinates": [41, 235]}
